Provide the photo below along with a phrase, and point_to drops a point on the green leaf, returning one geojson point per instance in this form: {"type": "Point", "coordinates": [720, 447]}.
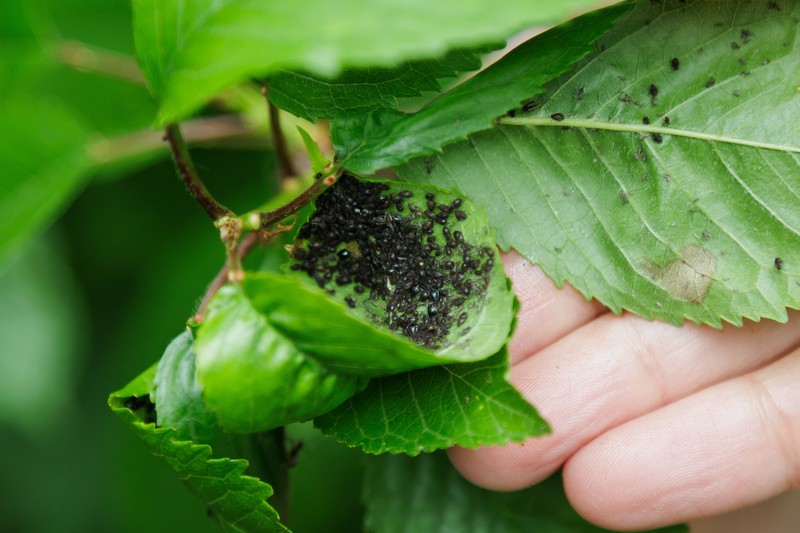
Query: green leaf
{"type": "Point", "coordinates": [375, 245]}
{"type": "Point", "coordinates": [439, 500]}
{"type": "Point", "coordinates": [318, 161]}
{"type": "Point", "coordinates": [280, 349]}
{"type": "Point", "coordinates": [698, 218]}
{"type": "Point", "coordinates": [467, 405]}
{"type": "Point", "coordinates": [357, 90]}
{"type": "Point", "coordinates": [253, 377]}
{"type": "Point", "coordinates": [178, 396]}
{"type": "Point", "coordinates": [44, 160]}
{"type": "Point", "coordinates": [237, 501]}
{"type": "Point", "coordinates": [370, 142]}
{"type": "Point", "coordinates": [192, 49]}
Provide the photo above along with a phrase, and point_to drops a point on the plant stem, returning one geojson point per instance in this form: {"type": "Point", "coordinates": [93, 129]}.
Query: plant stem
{"type": "Point", "coordinates": [190, 177]}
{"type": "Point", "coordinates": [287, 167]}
{"type": "Point", "coordinates": [85, 58]}
{"type": "Point", "coordinates": [147, 142]}
{"type": "Point", "coordinates": [247, 244]}
{"type": "Point", "coordinates": [263, 221]}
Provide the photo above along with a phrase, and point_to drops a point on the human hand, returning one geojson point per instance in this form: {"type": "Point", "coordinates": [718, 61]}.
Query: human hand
{"type": "Point", "coordinates": [653, 424]}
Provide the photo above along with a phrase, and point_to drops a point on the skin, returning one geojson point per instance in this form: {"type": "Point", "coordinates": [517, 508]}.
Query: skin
{"type": "Point", "coordinates": [652, 424]}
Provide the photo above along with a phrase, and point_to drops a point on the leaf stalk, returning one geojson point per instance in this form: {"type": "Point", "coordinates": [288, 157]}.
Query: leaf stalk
{"type": "Point", "coordinates": [188, 173]}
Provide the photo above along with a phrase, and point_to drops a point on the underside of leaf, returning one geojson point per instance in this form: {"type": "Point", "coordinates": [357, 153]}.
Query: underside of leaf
{"type": "Point", "coordinates": [662, 176]}
{"type": "Point", "coordinates": [467, 405]}
{"type": "Point", "coordinates": [237, 501]}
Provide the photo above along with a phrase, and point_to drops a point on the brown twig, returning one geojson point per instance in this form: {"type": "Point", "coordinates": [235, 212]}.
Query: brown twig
{"type": "Point", "coordinates": [287, 167]}
{"type": "Point", "coordinates": [147, 143]}
{"type": "Point", "coordinates": [190, 177]}
{"type": "Point", "coordinates": [85, 58]}
{"type": "Point", "coordinates": [247, 244]}
{"type": "Point", "coordinates": [269, 218]}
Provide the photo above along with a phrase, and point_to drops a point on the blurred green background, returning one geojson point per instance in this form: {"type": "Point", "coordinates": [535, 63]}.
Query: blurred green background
{"type": "Point", "coordinates": [94, 299]}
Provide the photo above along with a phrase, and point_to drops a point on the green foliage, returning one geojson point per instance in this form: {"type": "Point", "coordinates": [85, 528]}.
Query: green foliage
{"type": "Point", "coordinates": [45, 162]}
{"type": "Point", "coordinates": [177, 395]}
{"type": "Point", "coordinates": [358, 90]}
{"type": "Point", "coordinates": [440, 501]}
{"type": "Point", "coordinates": [467, 405]}
{"type": "Point", "coordinates": [53, 117]}
{"type": "Point", "coordinates": [368, 142]}
{"type": "Point", "coordinates": [318, 161]}
{"type": "Point", "coordinates": [192, 49]}
{"type": "Point", "coordinates": [255, 378]}
{"type": "Point", "coordinates": [646, 153]}
{"type": "Point", "coordinates": [685, 219]}
{"type": "Point", "coordinates": [237, 501]}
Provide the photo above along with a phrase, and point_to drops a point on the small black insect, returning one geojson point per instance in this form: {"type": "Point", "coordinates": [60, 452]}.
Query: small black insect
{"type": "Point", "coordinates": [645, 120]}
{"type": "Point", "coordinates": [653, 90]}
{"type": "Point", "coordinates": [558, 117]}
{"type": "Point", "coordinates": [657, 137]}
{"type": "Point", "coordinates": [530, 106]}
{"type": "Point", "coordinates": [710, 83]}
{"type": "Point", "coordinates": [735, 46]}
{"type": "Point", "coordinates": [666, 121]}
{"type": "Point", "coordinates": [675, 63]}
{"type": "Point", "coordinates": [779, 263]}
{"type": "Point", "coordinates": [746, 35]}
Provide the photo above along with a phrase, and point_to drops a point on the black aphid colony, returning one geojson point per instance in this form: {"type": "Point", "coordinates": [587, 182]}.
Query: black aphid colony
{"type": "Point", "coordinates": [403, 259]}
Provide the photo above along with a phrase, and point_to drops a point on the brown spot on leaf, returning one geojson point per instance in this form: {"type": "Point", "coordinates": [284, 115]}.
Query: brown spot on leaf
{"type": "Point", "coordinates": [687, 278]}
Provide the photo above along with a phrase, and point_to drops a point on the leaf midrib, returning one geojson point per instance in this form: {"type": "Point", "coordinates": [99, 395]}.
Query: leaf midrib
{"type": "Point", "coordinates": [592, 124]}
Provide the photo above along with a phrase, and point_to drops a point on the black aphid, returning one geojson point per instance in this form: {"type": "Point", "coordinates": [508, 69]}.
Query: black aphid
{"type": "Point", "coordinates": [645, 120]}
{"type": "Point", "coordinates": [710, 83]}
{"type": "Point", "coordinates": [356, 239]}
{"type": "Point", "coordinates": [653, 90]}
{"type": "Point", "coordinates": [530, 106]}
{"type": "Point", "coordinates": [779, 263]}
{"type": "Point", "coordinates": [745, 36]}
{"type": "Point", "coordinates": [558, 117]}
{"type": "Point", "coordinates": [657, 137]}
{"type": "Point", "coordinates": [666, 121]}
{"type": "Point", "coordinates": [675, 63]}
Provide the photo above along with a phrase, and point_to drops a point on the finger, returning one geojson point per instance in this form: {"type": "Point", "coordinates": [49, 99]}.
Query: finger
{"type": "Point", "coordinates": [723, 448]}
{"type": "Point", "coordinates": [611, 371]}
{"type": "Point", "coordinates": [546, 313]}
